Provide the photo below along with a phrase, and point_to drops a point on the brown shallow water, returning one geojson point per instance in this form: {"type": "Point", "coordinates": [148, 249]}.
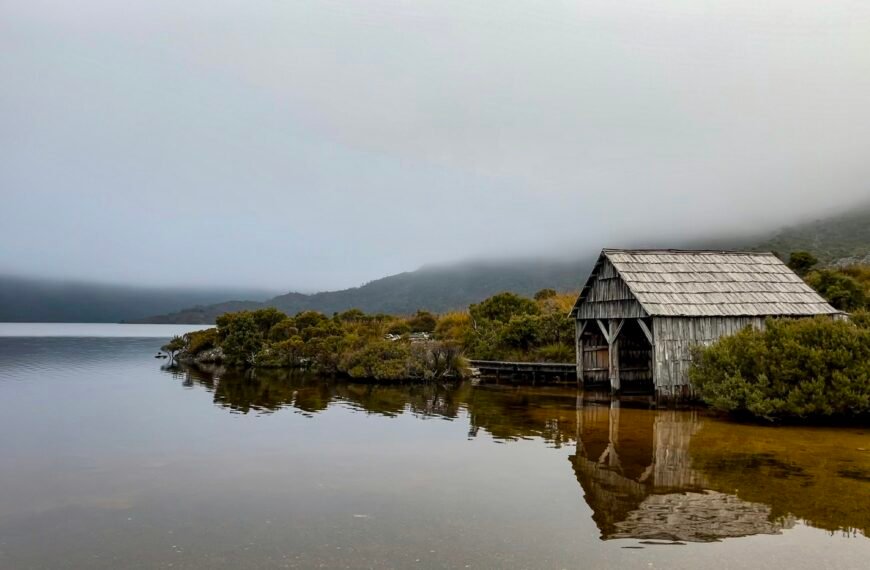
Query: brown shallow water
{"type": "Point", "coordinates": [107, 461]}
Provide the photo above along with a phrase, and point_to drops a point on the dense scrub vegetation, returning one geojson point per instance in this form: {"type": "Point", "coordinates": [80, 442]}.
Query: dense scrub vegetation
{"type": "Point", "coordinates": [384, 347]}
{"type": "Point", "coordinates": [803, 368]}
{"type": "Point", "coordinates": [846, 288]}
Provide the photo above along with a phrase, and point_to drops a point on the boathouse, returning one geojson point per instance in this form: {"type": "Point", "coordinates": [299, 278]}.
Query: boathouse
{"type": "Point", "coordinates": [641, 312]}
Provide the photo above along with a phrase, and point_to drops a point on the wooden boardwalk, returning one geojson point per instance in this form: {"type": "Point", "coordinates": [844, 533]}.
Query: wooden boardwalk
{"type": "Point", "coordinates": [545, 371]}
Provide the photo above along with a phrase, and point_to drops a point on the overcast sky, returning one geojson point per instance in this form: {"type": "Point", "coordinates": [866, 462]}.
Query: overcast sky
{"type": "Point", "coordinates": [320, 144]}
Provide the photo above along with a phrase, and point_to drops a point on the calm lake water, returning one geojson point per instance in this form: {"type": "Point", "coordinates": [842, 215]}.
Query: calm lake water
{"type": "Point", "coordinates": [109, 461]}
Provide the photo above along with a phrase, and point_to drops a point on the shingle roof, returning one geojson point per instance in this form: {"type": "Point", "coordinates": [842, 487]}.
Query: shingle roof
{"type": "Point", "coordinates": [715, 283]}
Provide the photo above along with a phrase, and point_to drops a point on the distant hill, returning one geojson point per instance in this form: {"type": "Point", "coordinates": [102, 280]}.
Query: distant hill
{"type": "Point", "coordinates": [40, 300]}
{"type": "Point", "coordinates": [434, 288]}
{"type": "Point", "coordinates": [442, 288]}
{"type": "Point", "coordinates": [837, 240]}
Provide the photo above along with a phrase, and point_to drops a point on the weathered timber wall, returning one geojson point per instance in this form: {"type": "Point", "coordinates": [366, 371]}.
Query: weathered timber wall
{"type": "Point", "coordinates": [608, 297]}
{"type": "Point", "coordinates": [674, 339]}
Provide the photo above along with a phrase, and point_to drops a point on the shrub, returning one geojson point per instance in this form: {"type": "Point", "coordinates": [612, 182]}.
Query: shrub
{"type": "Point", "coordinates": [801, 262]}
{"type": "Point", "coordinates": [380, 360]}
{"type": "Point", "coordinates": [805, 368]}
{"type": "Point", "coordinates": [283, 330]}
{"type": "Point", "coordinates": [284, 354]}
{"type": "Point", "coordinates": [309, 319]}
{"type": "Point", "coordinates": [434, 360]}
{"type": "Point", "coordinates": [861, 319]}
{"type": "Point", "coordinates": [399, 328]}
{"type": "Point", "coordinates": [841, 290]}
{"type": "Point", "coordinates": [267, 318]}
{"type": "Point", "coordinates": [502, 307]}
{"type": "Point", "coordinates": [544, 294]}
{"type": "Point", "coordinates": [242, 339]}
{"type": "Point", "coordinates": [199, 341]}
{"type": "Point", "coordinates": [423, 321]}
{"type": "Point", "coordinates": [522, 331]}
{"type": "Point", "coordinates": [351, 315]}
{"type": "Point", "coordinates": [456, 327]}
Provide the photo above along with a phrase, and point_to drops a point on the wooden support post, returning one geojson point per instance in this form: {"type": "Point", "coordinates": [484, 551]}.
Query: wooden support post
{"type": "Point", "coordinates": [579, 328]}
{"type": "Point", "coordinates": [646, 331]}
{"type": "Point", "coordinates": [615, 325]}
{"type": "Point", "coordinates": [604, 330]}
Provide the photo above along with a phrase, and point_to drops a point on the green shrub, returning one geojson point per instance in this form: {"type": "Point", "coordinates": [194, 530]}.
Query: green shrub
{"type": "Point", "coordinates": [801, 262]}
{"type": "Point", "coordinates": [840, 289]}
{"type": "Point", "coordinates": [805, 368]}
{"type": "Point", "coordinates": [399, 328]}
{"type": "Point", "coordinates": [199, 341]}
{"type": "Point", "coordinates": [284, 354]}
{"type": "Point", "coordinates": [242, 339]}
{"type": "Point", "coordinates": [283, 330]}
{"type": "Point", "coordinates": [861, 318]}
{"type": "Point", "coordinates": [502, 307]}
{"type": "Point", "coordinates": [380, 360]}
{"type": "Point", "coordinates": [522, 331]}
{"type": "Point", "coordinates": [545, 294]}
{"type": "Point", "coordinates": [423, 321]}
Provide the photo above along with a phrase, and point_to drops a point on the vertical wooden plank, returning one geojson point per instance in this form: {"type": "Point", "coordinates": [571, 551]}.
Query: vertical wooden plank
{"type": "Point", "coordinates": [578, 343]}
{"type": "Point", "coordinates": [614, 380]}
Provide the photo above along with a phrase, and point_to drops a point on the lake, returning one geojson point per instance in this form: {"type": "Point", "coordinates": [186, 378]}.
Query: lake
{"type": "Point", "coordinates": [109, 459]}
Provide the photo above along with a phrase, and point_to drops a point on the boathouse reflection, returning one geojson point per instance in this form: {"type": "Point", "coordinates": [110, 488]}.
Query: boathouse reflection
{"type": "Point", "coordinates": [636, 472]}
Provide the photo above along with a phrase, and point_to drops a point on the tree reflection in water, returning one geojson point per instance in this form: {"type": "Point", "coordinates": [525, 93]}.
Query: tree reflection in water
{"type": "Point", "coordinates": [646, 474]}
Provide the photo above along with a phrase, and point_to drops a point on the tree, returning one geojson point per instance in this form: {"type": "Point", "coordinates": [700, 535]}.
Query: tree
{"type": "Point", "coordinates": [423, 321]}
{"type": "Point", "coordinates": [173, 346]}
{"type": "Point", "coordinates": [242, 340]}
{"type": "Point", "coordinates": [267, 318]}
{"type": "Point", "coordinates": [283, 330]}
{"type": "Point", "coordinates": [801, 262]}
{"type": "Point", "coordinates": [502, 307]}
{"type": "Point", "coordinates": [544, 294]}
{"type": "Point", "coordinates": [522, 331]}
{"type": "Point", "coordinates": [841, 290]}
{"type": "Point", "coordinates": [309, 319]}
{"type": "Point", "coordinates": [351, 316]}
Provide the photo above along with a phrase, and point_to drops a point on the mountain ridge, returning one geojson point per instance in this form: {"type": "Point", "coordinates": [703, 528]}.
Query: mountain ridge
{"type": "Point", "coordinates": [835, 240]}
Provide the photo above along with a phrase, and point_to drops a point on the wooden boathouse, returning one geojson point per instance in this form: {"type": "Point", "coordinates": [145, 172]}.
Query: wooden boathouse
{"type": "Point", "coordinates": [641, 312]}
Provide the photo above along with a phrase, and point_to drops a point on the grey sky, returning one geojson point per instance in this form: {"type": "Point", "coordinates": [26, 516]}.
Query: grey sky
{"type": "Point", "coordinates": [320, 144]}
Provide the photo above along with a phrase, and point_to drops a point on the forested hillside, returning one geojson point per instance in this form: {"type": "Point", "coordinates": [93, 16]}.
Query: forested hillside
{"type": "Point", "coordinates": [840, 240]}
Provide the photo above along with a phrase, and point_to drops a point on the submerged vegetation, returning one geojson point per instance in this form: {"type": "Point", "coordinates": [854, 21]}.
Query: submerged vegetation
{"type": "Point", "coordinates": [383, 347]}
{"type": "Point", "coordinates": [794, 369]}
